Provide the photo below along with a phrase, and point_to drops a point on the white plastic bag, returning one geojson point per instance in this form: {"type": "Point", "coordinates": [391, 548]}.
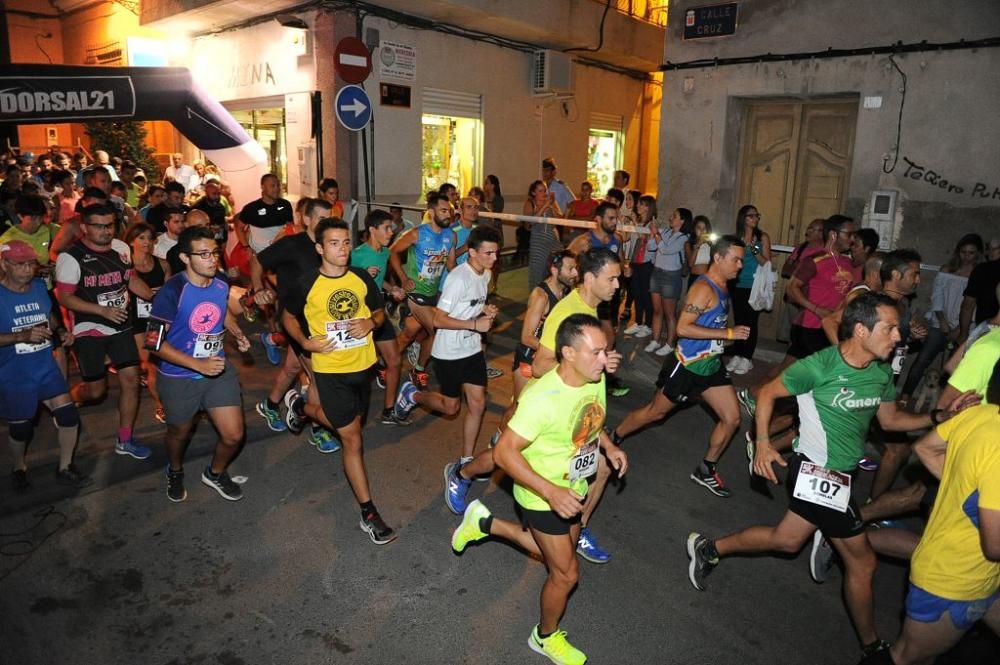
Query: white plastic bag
{"type": "Point", "coordinates": [765, 280]}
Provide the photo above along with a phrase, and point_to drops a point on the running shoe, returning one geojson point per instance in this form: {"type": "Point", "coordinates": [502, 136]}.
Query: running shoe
{"type": "Point", "coordinates": [820, 558]}
{"type": "Point", "coordinates": [19, 480]}
{"type": "Point", "coordinates": [175, 485]}
{"type": "Point", "coordinates": [710, 481]}
{"type": "Point", "coordinates": [751, 452]}
{"type": "Point", "coordinates": [468, 531]}
{"type": "Point", "coordinates": [456, 488]}
{"type": "Point", "coordinates": [271, 349]}
{"type": "Point", "coordinates": [868, 464]}
{"type": "Point", "coordinates": [413, 353]}
{"type": "Point", "coordinates": [132, 449]}
{"type": "Point", "coordinates": [493, 372]}
{"type": "Point", "coordinates": [747, 401]}
{"type": "Point", "coordinates": [380, 377]}
{"type": "Point", "coordinates": [588, 548]}
{"type": "Point", "coordinates": [160, 415]}
{"type": "Point", "coordinates": [643, 332]}
{"type": "Point", "coordinates": [875, 647]}
{"type": "Point", "coordinates": [324, 441]}
{"type": "Point", "coordinates": [652, 346]}
{"type": "Point", "coordinates": [72, 477]}
{"type": "Point", "coordinates": [615, 387]}
{"type": "Point", "coordinates": [633, 329]}
{"type": "Point", "coordinates": [272, 416]}
{"type": "Point", "coordinates": [377, 529]}
{"type": "Point", "coordinates": [700, 565]}
{"type": "Point", "coordinates": [556, 648]}
{"type": "Point", "coordinates": [664, 350]}
{"type": "Point", "coordinates": [404, 400]}
{"type": "Point", "coordinates": [295, 415]}
{"type": "Point", "coordinates": [389, 418]}
{"type": "Point", "coordinates": [420, 379]}
{"type": "Point", "coordinates": [222, 484]}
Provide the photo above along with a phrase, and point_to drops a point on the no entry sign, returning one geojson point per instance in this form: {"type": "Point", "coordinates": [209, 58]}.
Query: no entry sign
{"type": "Point", "coordinates": [352, 60]}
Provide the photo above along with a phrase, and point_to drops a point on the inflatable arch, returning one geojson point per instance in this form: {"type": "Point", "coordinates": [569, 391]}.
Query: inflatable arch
{"type": "Point", "coordinates": [35, 94]}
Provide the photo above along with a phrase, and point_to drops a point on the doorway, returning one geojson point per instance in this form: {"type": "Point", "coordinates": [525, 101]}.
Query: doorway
{"type": "Point", "coordinates": [267, 127]}
{"type": "Point", "coordinates": [451, 152]}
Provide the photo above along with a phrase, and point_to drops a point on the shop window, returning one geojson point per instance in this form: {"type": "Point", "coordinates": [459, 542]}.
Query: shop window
{"type": "Point", "coordinates": [604, 157]}
{"type": "Point", "coordinates": [267, 127]}
{"type": "Point", "coordinates": [452, 152]}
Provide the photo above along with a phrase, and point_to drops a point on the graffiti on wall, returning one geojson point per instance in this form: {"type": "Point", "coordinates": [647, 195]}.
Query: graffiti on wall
{"type": "Point", "coordinates": [980, 190]}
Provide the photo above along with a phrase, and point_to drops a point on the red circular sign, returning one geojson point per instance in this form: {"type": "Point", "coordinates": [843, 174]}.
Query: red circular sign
{"type": "Point", "coordinates": [352, 60]}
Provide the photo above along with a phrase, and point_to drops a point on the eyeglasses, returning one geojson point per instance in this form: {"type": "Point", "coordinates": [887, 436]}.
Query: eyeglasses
{"type": "Point", "coordinates": [207, 254]}
{"type": "Point", "coordinates": [100, 226]}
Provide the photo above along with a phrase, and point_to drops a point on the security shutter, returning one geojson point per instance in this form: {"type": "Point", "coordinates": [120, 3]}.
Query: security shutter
{"type": "Point", "coordinates": [606, 122]}
{"type": "Point", "coordinates": [453, 103]}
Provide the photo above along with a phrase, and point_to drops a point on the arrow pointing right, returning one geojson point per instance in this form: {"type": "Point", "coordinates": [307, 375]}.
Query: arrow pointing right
{"type": "Point", "coordinates": [357, 106]}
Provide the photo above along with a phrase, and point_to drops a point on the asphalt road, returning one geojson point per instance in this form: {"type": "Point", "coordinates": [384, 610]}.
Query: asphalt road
{"type": "Point", "coordinates": [118, 574]}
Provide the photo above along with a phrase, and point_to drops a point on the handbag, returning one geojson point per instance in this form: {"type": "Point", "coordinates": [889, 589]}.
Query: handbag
{"type": "Point", "coordinates": [762, 292]}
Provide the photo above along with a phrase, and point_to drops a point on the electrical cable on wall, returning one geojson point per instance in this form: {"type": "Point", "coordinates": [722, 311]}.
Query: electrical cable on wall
{"type": "Point", "coordinates": [600, 34]}
{"type": "Point", "coordinates": [899, 121]}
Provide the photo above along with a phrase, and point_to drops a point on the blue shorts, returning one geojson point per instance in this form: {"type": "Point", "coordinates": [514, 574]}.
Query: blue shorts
{"type": "Point", "coordinates": [925, 607]}
{"type": "Point", "coordinates": [19, 399]}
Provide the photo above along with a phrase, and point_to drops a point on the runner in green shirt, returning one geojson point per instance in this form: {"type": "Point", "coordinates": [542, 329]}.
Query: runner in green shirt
{"type": "Point", "coordinates": [839, 391]}
{"type": "Point", "coordinates": [551, 448]}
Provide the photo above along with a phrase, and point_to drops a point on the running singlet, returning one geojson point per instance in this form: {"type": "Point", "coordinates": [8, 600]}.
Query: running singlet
{"type": "Point", "coordinates": [836, 405]}
{"type": "Point", "coordinates": [701, 356]}
{"type": "Point", "coordinates": [949, 560]}
{"type": "Point", "coordinates": [96, 276]}
{"type": "Point", "coordinates": [563, 424]}
{"type": "Point", "coordinates": [21, 311]}
{"type": "Point", "coordinates": [427, 259]}
{"type": "Point", "coordinates": [571, 304]}
{"type": "Point", "coordinates": [524, 353]}
{"type": "Point", "coordinates": [612, 243]}
{"type": "Point", "coordinates": [461, 236]}
{"type": "Point", "coordinates": [363, 256]}
{"type": "Point", "coordinates": [196, 315]}
{"type": "Point", "coordinates": [326, 306]}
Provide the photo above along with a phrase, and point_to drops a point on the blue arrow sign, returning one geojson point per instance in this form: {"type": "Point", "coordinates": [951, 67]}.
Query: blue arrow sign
{"type": "Point", "coordinates": [353, 107]}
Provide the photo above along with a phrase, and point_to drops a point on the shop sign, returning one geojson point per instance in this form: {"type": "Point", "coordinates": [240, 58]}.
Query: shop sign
{"type": "Point", "coordinates": [710, 21]}
{"type": "Point", "coordinates": [397, 61]}
{"type": "Point", "coordinates": [394, 95]}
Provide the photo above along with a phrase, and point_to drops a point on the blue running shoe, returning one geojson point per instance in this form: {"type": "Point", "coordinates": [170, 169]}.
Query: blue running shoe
{"type": "Point", "coordinates": [404, 400]}
{"type": "Point", "coordinates": [132, 449]}
{"type": "Point", "coordinates": [324, 441]}
{"type": "Point", "coordinates": [589, 549]}
{"type": "Point", "coordinates": [456, 488]}
{"type": "Point", "coordinates": [272, 350]}
{"type": "Point", "coordinates": [272, 416]}
{"type": "Point", "coordinates": [868, 464]}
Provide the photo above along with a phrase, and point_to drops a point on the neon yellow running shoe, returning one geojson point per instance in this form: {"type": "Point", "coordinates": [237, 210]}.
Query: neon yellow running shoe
{"type": "Point", "coordinates": [556, 648]}
{"type": "Point", "coordinates": [468, 531]}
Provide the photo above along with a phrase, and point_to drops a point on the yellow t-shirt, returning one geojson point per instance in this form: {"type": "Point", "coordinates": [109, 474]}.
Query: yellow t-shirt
{"type": "Point", "coordinates": [571, 304]}
{"type": "Point", "coordinates": [974, 372]}
{"type": "Point", "coordinates": [949, 561]}
{"type": "Point", "coordinates": [558, 420]}
{"type": "Point", "coordinates": [325, 306]}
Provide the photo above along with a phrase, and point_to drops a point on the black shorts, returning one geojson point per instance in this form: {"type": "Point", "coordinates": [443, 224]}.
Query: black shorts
{"type": "Point", "coordinates": [679, 384]}
{"type": "Point", "coordinates": [90, 351]}
{"type": "Point", "coordinates": [385, 332]}
{"type": "Point", "coordinates": [344, 397]}
{"type": "Point", "coordinates": [453, 374]}
{"type": "Point", "coordinates": [806, 341]}
{"type": "Point", "coordinates": [547, 521]}
{"type": "Point", "coordinates": [184, 397]}
{"type": "Point", "coordinates": [608, 311]}
{"type": "Point", "coordinates": [833, 523]}
{"type": "Point", "coordinates": [426, 301]}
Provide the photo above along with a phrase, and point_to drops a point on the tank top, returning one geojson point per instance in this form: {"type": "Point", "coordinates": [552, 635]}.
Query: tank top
{"type": "Point", "coordinates": [138, 308]}
{"type": "Point", "coordinates": [526, 353]}
{"type": "Point", "coordinates": [427, 258]}
{"type": "Point", "coordinates": [690, 351]}
{"type": "Point", "coordinates": [612, 243]}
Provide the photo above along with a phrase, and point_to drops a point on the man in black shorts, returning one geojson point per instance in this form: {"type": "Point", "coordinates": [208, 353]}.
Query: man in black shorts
{"type": "Point", "coordinates": [93, 279]}
{"type": "Point", "coordinates": [331, 312]}
{"type": "Point", "coordinates": [188, 321]}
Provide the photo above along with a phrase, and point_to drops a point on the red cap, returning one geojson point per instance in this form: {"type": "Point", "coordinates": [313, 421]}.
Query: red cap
{"type": "Point", "coordinates": [18, 250]}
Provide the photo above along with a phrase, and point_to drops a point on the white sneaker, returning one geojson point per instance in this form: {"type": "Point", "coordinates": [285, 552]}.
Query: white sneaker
{"type": "Point", "coordinates": [652, 346]}
{"type": "Point", "coordinates": [740, 365]}
{"type": "Point", "coordinates": [633, 329]}
{"type": "Point", "coordinates": [664, 350]}
{"type": "Point", "coordinates": [733, 364]}
{"type": "Point", "coordinates": [747, 364]}
{"type": "Point", "coordinates": [644, 331]}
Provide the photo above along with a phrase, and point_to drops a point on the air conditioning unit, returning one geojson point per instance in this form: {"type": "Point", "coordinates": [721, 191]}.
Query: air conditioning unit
{"type": "Point", "coordinates": [551, 73]}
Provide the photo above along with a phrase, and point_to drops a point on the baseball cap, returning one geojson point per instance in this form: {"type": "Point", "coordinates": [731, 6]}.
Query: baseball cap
{"type": "Point", "coordinates": [18, 250]}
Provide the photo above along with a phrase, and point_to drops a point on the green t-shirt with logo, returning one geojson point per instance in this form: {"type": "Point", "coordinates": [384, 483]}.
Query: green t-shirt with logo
{"type": "Point", "coordinates": [364, 256]}
{"type": "Point", "coordinates": [836, 405]}
{"type": "Point", "coordinates": [558, 420]}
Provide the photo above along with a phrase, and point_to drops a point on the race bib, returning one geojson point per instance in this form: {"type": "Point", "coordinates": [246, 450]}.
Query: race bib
{"type": "Point", "coordinates": [337, 331]}
{"type": "Point", "coordinates": [897, 359]}
{"type": "Point", "coordinates": [142, 308]}
{"type": "Point", "coordinates": [26, 347]}
{"type": "Point", "coordinates": [584, 463]}
{"type": "Point", "coordinates": [432, 268]}
{"type": "Point", "coordinates": [117, 299]}
{"type": "Point", "coordinates": [823, 487]}
{"type": "Point", "coordinates": [208, 346]}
